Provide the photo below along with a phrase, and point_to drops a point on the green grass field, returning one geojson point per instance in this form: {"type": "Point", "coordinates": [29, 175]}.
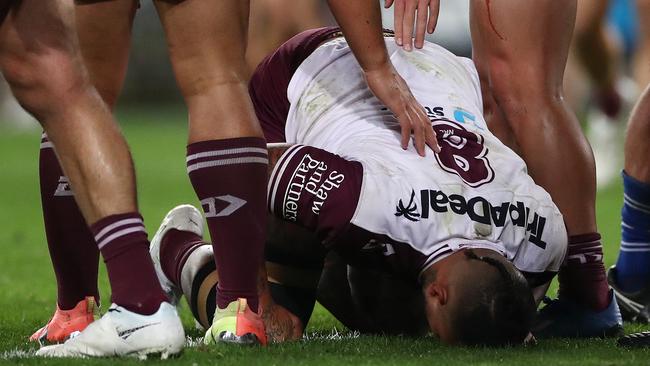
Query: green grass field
{"type": "Point", "coordinates": [27, 287]}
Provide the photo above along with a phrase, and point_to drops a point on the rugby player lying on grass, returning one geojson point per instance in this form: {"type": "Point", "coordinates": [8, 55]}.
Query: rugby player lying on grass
{"type": "Point", "coordinates": [467, 225]}
{"type": "Point", "coordinates": [463, 225]}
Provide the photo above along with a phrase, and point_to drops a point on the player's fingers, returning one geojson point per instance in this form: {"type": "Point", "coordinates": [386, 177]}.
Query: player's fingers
{"type": "Point", "coordinates": [398, 19]}
{"type": "Point", "coordinates": [430, 133]}
{"type": "Point", "coordinates": [419, 137]}
{"type": "Point", "coordinates": [431, 139]}
{"type": "Point", "coordinates": [406, 133]}
{"type": "Point", "coordinates": [421, 23]}
{"type": "Point", "coordinates": [407, 25]}
{"type": "Point", "coordinates": [388, 3]}
{"type": "Point", "coordinates": [434, 10]}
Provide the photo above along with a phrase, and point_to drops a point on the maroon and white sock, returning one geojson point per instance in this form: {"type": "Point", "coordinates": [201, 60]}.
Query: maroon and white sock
{"type": "Point", "coordinates": [583, 278]}
{"type": "Point", "coordinates": [175, 247]}
{"type": "Point", "coordinates": [122, 240]}
{"type": "Point", "coordinates": [229, 177]}
{"type": "Point", "coordinates": [73, 251]}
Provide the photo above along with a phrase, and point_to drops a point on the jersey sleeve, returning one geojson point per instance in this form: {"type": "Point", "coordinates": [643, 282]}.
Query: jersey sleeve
{"type": "Point", "coordinates": [315, 189]}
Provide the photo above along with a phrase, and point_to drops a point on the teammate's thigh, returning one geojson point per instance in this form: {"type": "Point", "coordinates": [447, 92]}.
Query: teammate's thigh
{"type": "Point", "coordinates": [40, 58]}
{"type": "Point", "coordinates": [104, 29]}
{"type": "Point", "coordinates": [207, 44]}
{"type": "Point", "coordinates": [38, 53]}
{"type": "Point", "coordinates": [526, 41]}
{"type": "Point", "coordinates": [523, 47]}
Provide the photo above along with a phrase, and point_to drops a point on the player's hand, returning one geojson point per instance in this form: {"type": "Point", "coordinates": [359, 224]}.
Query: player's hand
{"type": "Point", "coordinates": [422, 13]}
{"type": "Point", "coordinates": [389, 87]}
{"type": "Point", "coordinates": [281, 325]}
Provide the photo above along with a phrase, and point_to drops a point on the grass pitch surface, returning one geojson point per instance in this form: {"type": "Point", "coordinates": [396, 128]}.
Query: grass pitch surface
{"type": "Point", "coordinates": [27, 286]}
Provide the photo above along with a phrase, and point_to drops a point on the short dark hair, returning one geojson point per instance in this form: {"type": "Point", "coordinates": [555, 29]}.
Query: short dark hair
{"type": "Point", "coordinates": [498, 312]}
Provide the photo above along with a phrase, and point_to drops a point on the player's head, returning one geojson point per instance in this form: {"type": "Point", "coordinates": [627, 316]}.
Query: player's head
{"type": "Point", "coordinates": [477, 297]}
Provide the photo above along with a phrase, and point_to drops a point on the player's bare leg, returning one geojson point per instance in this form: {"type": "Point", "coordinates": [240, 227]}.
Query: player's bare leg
{"type": "Point", "coordinates": [631, 276]}
{"type": "Point", "coordinates": [641, 64]}
{"type": "Point", "coordinates": [105, 31]}
{"type": "Point", "coordinates": [226, 154]}
{"type": "Point", "coordinates": [595, 54]}
{"type": "Point", "coordinates": [39, 55]}
{"type": "Point", "coordinates": [523, 49]}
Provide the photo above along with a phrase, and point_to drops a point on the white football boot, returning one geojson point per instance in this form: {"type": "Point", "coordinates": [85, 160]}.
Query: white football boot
{"type": "Point", "coordinates": [183, 218]}
{"type": "Point", "coordinates": [121, 332]}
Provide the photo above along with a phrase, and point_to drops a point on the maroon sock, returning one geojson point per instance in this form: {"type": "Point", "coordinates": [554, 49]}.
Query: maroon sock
{"type": "Point", "coordinates": [229, 177]}
{"type": "Point", "coordinates": [123, 242]}
{"type": "Point", "coordinates": [583, 278]}
{"type": "Point", "coordinates": [73, 251]}
{"type": "Point", "coordinates": [175, 247]}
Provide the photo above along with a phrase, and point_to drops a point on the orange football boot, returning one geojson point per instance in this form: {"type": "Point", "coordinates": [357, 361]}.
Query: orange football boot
{"type": "Point", "coordinates": [66, 322]}
{"type": "Point", "coordinates": [236, 324]}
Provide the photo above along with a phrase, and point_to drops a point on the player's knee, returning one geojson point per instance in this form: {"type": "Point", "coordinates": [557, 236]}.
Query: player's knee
{"type": "Point", "coordinates": [43, 81]}
{"type": "Point", "coordinates": [522, 92]}
{"type": "Point", "coordinates": [109, 95]}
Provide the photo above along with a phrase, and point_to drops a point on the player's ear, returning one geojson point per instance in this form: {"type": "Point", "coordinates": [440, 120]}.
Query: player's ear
{"type": "Point", "coordinates": [437, 293]}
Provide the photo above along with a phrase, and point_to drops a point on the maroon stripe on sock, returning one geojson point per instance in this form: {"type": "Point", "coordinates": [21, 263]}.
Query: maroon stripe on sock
{"type": "Point", "coordinates": [233, 198]}
{"type": "Point", "coordinates": [583, 278]}
{"type": "Point", "coordinates": [73, 251]}
{"type": "Point", "coordinates": [131, 273]}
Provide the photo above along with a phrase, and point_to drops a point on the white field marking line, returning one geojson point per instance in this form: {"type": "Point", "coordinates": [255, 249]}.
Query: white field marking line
{"type": "Point", "coordinates": [17, 353]}
{"type": "Point", "coordinates": [333, 335]}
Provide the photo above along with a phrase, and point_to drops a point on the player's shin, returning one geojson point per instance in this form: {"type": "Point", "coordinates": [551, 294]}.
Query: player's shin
{"type": "Point", "coordinates": [582, 278]}
{"type": "Point", "coordinates": [229, 177]}
{"type": "Point", "coordinates": [633, 264]}
{"type": "Point", "coordinates": [73, 251]}
{"type": "Point", "coordinates": [123, 243]}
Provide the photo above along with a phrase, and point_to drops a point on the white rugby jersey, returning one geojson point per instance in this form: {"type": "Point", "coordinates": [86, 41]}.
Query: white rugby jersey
{"type": "Point", "coordinates": [475, 193]}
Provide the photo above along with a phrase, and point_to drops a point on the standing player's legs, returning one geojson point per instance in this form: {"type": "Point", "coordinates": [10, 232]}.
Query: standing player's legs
{"type": "Point", "coordinates": [596, 54]}
{"type": "Point", "coordinates": [39, 56]}
{"type": "Point", "coordinates": [631, 277]}
{"type": "Point", "coordinates": [641, 61]}
{"type": "Point", "coordinates": [104, 32]}
{"type": "Point", "coordinates": [226, 155]}
{"type": "Point", "coordinates": [522, 47]}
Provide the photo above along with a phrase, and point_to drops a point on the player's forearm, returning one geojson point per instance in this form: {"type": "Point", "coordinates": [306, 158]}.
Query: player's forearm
{"type": "Point", "coordinates": [360, 22]}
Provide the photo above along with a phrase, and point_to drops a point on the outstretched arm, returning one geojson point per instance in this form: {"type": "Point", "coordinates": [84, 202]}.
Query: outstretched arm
{"type": "Point", "coordinates": [360, 22]}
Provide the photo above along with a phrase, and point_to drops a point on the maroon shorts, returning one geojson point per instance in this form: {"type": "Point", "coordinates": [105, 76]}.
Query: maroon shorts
{"type": "Point", "coordinates": [311, 187]}
{"type": "Point", "coordinates": [269, 83]}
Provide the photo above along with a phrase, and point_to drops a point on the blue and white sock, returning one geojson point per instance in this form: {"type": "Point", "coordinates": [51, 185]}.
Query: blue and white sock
{"type": "Point", "coordinates": [633, 263]}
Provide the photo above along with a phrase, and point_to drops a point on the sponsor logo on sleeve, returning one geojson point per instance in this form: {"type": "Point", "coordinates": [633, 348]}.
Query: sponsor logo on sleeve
{"type": "Point", "coordinates": [312, 177]}
{"type": "Point", "coordinates": [477, 209]}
